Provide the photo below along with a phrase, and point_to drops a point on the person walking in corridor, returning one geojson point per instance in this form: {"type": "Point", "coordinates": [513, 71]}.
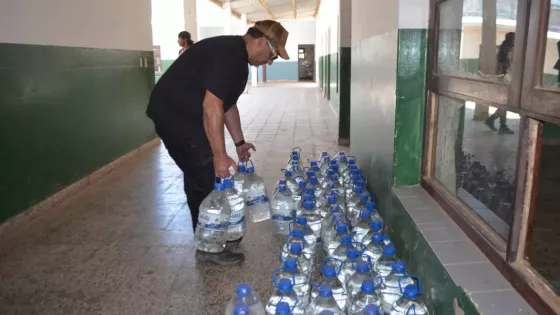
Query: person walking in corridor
{"type": "Point", "coordinates": [184, 40]}
{"type": "Point", "coordinates": [196, 96]}
{"type": "Point", "coordinates": [505, 58]}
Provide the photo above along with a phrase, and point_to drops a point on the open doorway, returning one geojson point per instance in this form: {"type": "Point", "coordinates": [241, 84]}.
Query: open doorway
{"type": "Point", "coordinates": [306, 62]}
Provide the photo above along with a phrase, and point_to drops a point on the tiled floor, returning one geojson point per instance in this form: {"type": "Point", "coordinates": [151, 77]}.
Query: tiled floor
{"type": "Point", "coordinates": [124, 244]}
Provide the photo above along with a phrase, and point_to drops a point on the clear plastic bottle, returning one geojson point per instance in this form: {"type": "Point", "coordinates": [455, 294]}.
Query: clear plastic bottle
{"type": "Point", "coordinates": [245, 294]}
{"type": "Point", "coordinates": [355, 197]}
{"type": "Point", "coordinates": [290, 180]}
{"type": "Point", "coordinates": [239, 177]}
{"type": "Point", "coordinates": [363, 272]}
{"type": "Point", "coordinates": [371, 309]}
{"type": "Point", "coordinates": [342, 235]}
{"type": "Point", "coordinates": [384, 266]}
{"type": "Point", "coordinates": [366, 296]}
{"type": "Point", "coordinates": [340, 251]}
{"type": "Point", "coordinates": [350, 182]}
{"type": "Point", "coordinates": [213, 221]}
{"type": "Point", "coordinates": [282, 206]}
{"type": "Point", "coordinates": [295, 153]}
{"type": "Point", "coordinates": [309, 236]}
{"type": "Point", "coordinates": [353, 214]}
{"type": "Point", "coordinates": [297, 195]}
{"type": "Point", "coordinates": [410, 302]}
{"type": "Point", "coordinates": [295, 236]}
{"type": "Point", "coordinates": [330, 269]}
{"type": "Point", "coordinates": [283, 308]}
{"type": "Point", "coordinates": [375, 226]}
{"type": "Point", "coordinates": [237, 224]}
{"type": "Point", "coordinates": [284, 293]}
{"type": "Point", "coordinates": [300, 281]}
{"type": "Point", "coordinates": [324, 302]}
{"type": "Point", "coordinates": [328, 226]}
{"type": "Point", "coordinates": [256, 196]}
{"type": "Point", "coordinates": [374, 250]}
{"type": "Point", "coordinates": [362, 226]}
{"type": "Point", "coordinates": [390, 290]}
{"type": "Point", "coordinates": [240, 309]}
{"type": "Point", "coordinates": [313, 218]}
{"type": "Point", "coordinates": [304, 264]}
{"type": "Point", "coordinates": [324, 160]}
{"type": "Point", "coordinates": [349, 265]}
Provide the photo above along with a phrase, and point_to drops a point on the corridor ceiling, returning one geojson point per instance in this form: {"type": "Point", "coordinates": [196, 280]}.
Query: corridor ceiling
{"type": "Point", "coordinates": [272, 9]}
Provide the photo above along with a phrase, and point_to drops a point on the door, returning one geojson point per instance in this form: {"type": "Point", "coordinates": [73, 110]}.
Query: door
{"type": "Point", "coordinates": [306, 62]}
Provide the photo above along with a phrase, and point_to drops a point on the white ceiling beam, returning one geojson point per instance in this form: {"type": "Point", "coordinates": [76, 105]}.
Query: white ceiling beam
{"type": "Point", "coordinates": [317, 8]}
{"type": "Point", "coordinates": [295, 8]}
{"type": "Point", "coordinates": [265, 8]}
{"type": "Point", "coordinates": [236, 4]}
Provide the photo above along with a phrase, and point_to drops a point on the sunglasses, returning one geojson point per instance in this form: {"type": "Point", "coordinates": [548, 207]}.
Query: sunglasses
{"type": "Point", "coordinates": [274, 54]}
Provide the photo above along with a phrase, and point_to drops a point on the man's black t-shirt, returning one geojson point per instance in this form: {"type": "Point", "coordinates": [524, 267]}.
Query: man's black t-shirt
{"type": "Point", "coordinates": [218, 64]}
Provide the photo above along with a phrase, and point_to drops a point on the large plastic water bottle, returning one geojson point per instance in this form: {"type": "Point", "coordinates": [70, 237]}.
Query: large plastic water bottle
{"type": "Point", "coordinates": [341, 229]}
{"type": "Point", "coordinates": [363, 272]}
{"type": "Point", "coordinates": [362, 226]}
{"type": "Point", "coordinates": [328, 226]}
{"type": "Point", "coordinates": [297, 195]}
{"type": "Point", "coordinates": [324, 302]}
{"type": "Point", "coordinates": [371, 309]}
{"type": "Point", "coordinates": [374, 250]}
{"type": "Point", "coordinates": [213, 221]}
{"type": "Point", "coordinates": [284, 293]}
{"type": "Point", "coordinates": [410, 302]}
{"type": "Point", "coordinates": [283, 308]}
{"type": "Point", "coordinates": [300, 281]}
{"type": "Point", "coordinates": [295, 165]}
{"type": "Point", "coordinates": [341, 251]}
{"type": "Point", "coordinates": [239, 177]}
{"type": "Point", "coordinates": [246, 295]}
{"type": "Point", "coordinates": [304, 264]}
{"type": "Point", "coordinates": [290, 180]}
{"type": "Point", "coordinates": [309, 236]}
{"type": "Point", "coordinates": [350, 265]}
{"type": "Point", "coordinates": [390, 290]}
{"type": "Point", "coordinates": [355, 197]}
{"type": "Point", "coordinates": [324, 160]}
{"type": "Point", "coordinates": [295, 153]}
{"type": "Point", "coordinates": [366, 296]}
{"type": "Point", "coordinates": [282, 207]}
{"type": "Point", "coordinates": [375, 226]}
{"type": "Point", "coordinates": [353, 213]}
{"type": "Point", "coordinates": [237, 223]}
{"type": "Point", "coordinates": [330, 269]}
{"type": "Point", "coordinates": [349, 183]}
{"type": "Point", "coordinates": [295, 236]}
{"type": "Point", "coordinates": [256, 196]}
{"type": "Point", "coordinates": [313, 218]}
{"type": "Point", "coordinates": [384, 266]}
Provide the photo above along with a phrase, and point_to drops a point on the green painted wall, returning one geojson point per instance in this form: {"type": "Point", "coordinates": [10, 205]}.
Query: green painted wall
{"type": "Point", "coordinates": [410, 102]}
{"type": "Point", "coordinates": [165, 64]}
{"type": "Point", "coordinates": [66, 112]}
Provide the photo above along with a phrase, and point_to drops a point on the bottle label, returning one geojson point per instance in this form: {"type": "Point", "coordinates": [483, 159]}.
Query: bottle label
{"type": "Point", "coordinates": [281, 218]}
{"type": "Point", "coordinates": [257, 201]}
{"type": "Point", "coordinates": [236, 219]}
{"type": "Point", "coordinates": [211, 221]}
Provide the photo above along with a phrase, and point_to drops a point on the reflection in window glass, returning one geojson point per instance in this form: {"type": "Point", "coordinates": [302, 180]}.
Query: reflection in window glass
{"type": "Point", "coordinates": [476, 154]}
{"type": "Point", "coordinates": [476, 38]}
{"type": "Point", "coordinates": [551, 66]}
{"type": "Point", "coordinates": [544, 249]}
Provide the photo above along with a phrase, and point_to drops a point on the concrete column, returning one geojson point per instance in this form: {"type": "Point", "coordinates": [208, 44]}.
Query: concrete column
{"type": "Point", "coordinates": [254, 76]}
{"type": "Point", "coordinates": [488, 52]}
{"type": "Point", "coordinates": [189, 8]}
{"type": "Point", "coordinates": [227, 18]}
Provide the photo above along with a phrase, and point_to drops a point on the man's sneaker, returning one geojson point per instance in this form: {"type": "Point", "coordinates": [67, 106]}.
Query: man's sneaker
{"type": "Point", "coordinates": [504, 130]}
{"type": "Point", "coordinates": [225, 258]}
{"type": "Point", "coordinates": [490, 123]}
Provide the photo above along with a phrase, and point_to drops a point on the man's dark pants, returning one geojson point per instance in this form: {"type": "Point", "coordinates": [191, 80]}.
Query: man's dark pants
{"type": "Point", "coordinates": [193, 157]}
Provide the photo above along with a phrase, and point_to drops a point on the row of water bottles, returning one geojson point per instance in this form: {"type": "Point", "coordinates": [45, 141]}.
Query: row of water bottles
{"type": "Point", "coordinates": [337, 258]}
{"type": "Point", "coordinates": [222, 213]}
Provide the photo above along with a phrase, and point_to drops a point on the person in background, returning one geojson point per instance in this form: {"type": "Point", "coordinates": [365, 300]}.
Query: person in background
{"type": "Point", "coordinates": [557, 65]}
{"type": "Point", "coordinates": [184, 41]}
{"type": "Point", "coordinates": [193, 100]}
{"type": "Point", "coordinates": [505, 59]}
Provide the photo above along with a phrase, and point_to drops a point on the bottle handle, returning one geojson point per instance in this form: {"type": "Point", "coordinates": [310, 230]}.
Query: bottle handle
{"type": "Point", "coordinates": [296, 149]}
{"type": "Point", "coordinates": [324, 262]}
{"type": "Point", "coordinates": [413, 307]}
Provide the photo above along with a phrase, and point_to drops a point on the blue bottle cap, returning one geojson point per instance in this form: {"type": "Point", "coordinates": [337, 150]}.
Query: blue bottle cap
{"type": "Point", "coordinates": [362, 267]}
{"type": "Point", "coordinates": [326, 312]}
{"type": "Point", "coordinates": [301, 220]}
{"type": "Point", "coordinates": [290, 264]}
{"type": "Point", "coordinates": [218, 186]}
{"type": "Point", "coordinates": [330, 185]}
{"type": "Point", "coordinates": [337, 216]}
{"type": "Point", "coordinates": [308, 205]}
{"type": "Point", "coordinates": [243, 290]}
{"type": "Point", "coordinates": [282, 182]}
{"type": "Point", "coordinates": [308, 198]}
{"type": "Point", "coordinates": [368, 286]}
{"type": "Point", "coordinates": [241, 309]}
{"type": "Point", "coordinates": [288, 173]}
{"type": "Point", "coordinates": [370, 205]}
{"type": "Point", "coordinates": [331, 198]}
{"type": "Point", "coordinates": [334, 208]}
{"type": "Point", "coordinates": [365, 214]}
{"type": "Point", "coordinates": [295, 157]}
{"type": "Point", "coordinates": [314, 180]}
{"type": "Point", "coordinates": [315, 168]}
{"type": "Point", "coordinates": [377, 238]}
{"type": "Point", "coordinates": [364, 197]}
{"type": "Point", "coordinates": [358, 190]}
{"type": "Point", "coordinates": [341, 228]}
{"type": "Point", "coordinates": [352, 253]}
{"type": "Point", "coordinates": [329, 272]}
{"type": "Point", "coordinates": [411, 291]}
{"type": "Point", "coordinates": [295, 248]}
{"type": "Point", "coordinates": [352, 162]}
{"type": "Point", "coordinates": [334, 162]}
{"type": "Point", "coordinates": [282, 308]}
{"type": "Point", "coordinates": [298, 233]}
{"type": "Point", "coordinates": [399, 267]}
{"type": "Point", "coordinates": [325, 291]}
{"type": "Point", "coordinates": [310, 191]}
{"type": "Point", "coordinates": [389, 251]}
{"type": "Point", "coordinates": [241, 168]}
{"type": "Point", "coordinates": [250, 169]}
{"type": "Point", "coordinates": [309, 174]}
{"type": "Point", "coordinates": [346, 240]}
{"type": "Point", "coordinates": [281, 187]}
{"type": "Point", "coordinates": [228, 183]}
{"type": "Point", "coordinates": [371, 309]}
{"type": "Point", "coordinates": [302, 184]}
{"type": "Point", "coordinates": [334, 178]}
{"type": "Point", "coordinates": [313, 163]}
{"type": "Point", "coordinates": [376, 225]}
{"type": "Point", "coordinates": [285, 285]}
{"type": "Point", "coordinates": [355, 171]}
{"type": "Point", "coordinates": [324, 153]}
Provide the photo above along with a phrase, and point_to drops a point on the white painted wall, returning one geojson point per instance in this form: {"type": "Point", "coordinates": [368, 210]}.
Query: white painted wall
{"type": "Point", "coordinates": [112, 24]}
{"type": "Point", "coordinates": [414, 14]}
{"type": "Point", "coordinates": [327, 19]}
{"type": "Point", "coordinates": [300, 32]}
{"type": "Point", "coordinates": [167, 21]}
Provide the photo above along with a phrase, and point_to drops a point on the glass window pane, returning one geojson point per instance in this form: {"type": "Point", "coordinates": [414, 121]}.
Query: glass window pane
{"type": "Point", "coordinates": [551, 66]}
{"type": "Point", "coordinates": [476, 154]}
{"type": "Point", "coordinates": [544, 250]}
{"type": "Point", "coordinates": [476, 38]}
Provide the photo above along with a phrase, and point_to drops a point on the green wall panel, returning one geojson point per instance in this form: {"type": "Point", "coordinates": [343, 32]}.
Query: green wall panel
{"type": "Point", "coordinates": [66, 112]}
{"type": "Point", "coordinates": [409, 113]}
{"type": "Point", "coordinates": [344, 92]}
{"type": "Point", "coordinates": [165, 64]}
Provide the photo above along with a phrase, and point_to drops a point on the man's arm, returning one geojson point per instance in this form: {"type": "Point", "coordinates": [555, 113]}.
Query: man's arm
{"type": "Point", "coordinates": [233, 123]}
{"type": "Point", "coordinates": [214, 127]}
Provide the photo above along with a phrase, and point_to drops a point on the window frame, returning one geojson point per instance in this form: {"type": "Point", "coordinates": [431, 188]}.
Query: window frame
{"type": "Point", "coordinates": [533, 103]}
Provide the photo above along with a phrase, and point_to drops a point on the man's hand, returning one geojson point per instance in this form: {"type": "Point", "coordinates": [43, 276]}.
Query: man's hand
{"type": "Point", "coordinates": [243, 151]}
{"type": "Point", "coordinates": [222, 165]}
